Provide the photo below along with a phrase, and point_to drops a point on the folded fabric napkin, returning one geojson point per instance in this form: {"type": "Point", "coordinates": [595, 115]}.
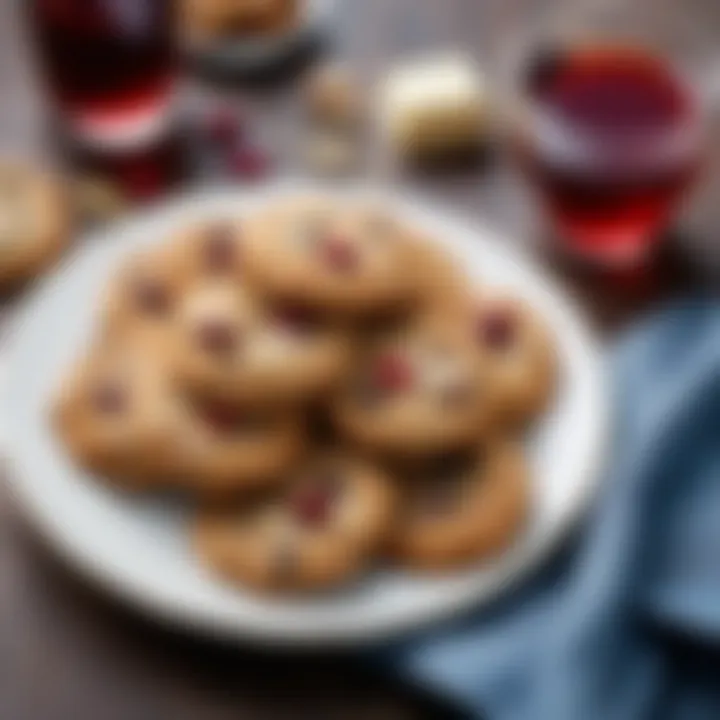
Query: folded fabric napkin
{"type": "Point", "coordinates": [626, 624]}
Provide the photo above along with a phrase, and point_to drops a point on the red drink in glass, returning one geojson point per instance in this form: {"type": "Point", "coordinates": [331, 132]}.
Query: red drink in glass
{"type": "Point", "coordinates": [612, 141]}
{"type": "Point", "coordinates": [109, 66]}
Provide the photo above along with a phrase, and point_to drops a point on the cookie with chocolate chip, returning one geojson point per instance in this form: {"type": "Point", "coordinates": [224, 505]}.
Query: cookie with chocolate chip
{"type": "Point", "coordinates": [319, 531]}
{"type": "Point", "coordinates": [346, 258]}
{"type": "Point", "coordinates": [459, 508]}
{"type": "Point", "coordinates": [416, 392]}
{"type": "Point", "coordinates": [35, 223]}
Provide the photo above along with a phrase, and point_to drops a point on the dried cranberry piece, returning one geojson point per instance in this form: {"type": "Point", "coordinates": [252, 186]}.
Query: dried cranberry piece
{"type": "Point", "coordinates": [312, 503]}
{"type": "Point", "coordinates": [223, 126]}
{"type": "Point", "coordinates": [340, 255]}
{"type": "Point", "coordinates": [497, 329]}
{"type": "Point", "coordinates": [224, 418]}
{"type": "Point", "coordinates": [247, 163]}
{"type": "Point", "coordinates": [297, 318]}
{"type": "Point", "coordinates": [217, 337]}
{"type": "Point", "coordinates": [152, 297]}
{"type": "Point", "coordinates": [392, 373]}
{"type": "Point", "coordinates": [110, 399]}
{"type": "Point", "coordinates": [220, 248]}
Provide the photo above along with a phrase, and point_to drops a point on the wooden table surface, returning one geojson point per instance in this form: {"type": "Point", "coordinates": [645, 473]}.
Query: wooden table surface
{"type": "Point", "coordinates": [68, 653]}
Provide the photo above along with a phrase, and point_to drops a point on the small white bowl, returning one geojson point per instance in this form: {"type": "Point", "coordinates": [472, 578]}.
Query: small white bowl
{"type": "Point", "coordinates": [253, 54]}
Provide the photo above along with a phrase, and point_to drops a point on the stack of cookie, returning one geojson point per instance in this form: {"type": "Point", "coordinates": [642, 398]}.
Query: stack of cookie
{"type": "Point", "coordinates": [324, 383]}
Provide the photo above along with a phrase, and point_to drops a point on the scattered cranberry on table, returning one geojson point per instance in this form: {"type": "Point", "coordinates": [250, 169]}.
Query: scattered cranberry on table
{"type": "Point", "coordinates": [225, 129]}
{"type": "Point", "coordinates": [249, 163]}
{"type": "Point", "coordinates": [223, 126]}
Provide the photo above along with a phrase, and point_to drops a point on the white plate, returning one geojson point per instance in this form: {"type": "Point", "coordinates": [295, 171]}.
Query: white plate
{"type": "Point", "coordinates": [138, 549]}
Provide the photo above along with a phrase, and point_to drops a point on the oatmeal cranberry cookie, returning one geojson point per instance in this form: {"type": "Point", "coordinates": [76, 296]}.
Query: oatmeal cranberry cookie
{"type": "Point", "coordinates": [232, 344]}
{"type": "Point", "coordinates": [319, 531]}
{"type": "Point", "coordinates": [35, 222]}
{"type": "Point", "coordinates": [117, 418]}
{"type": "Point", "coordinates": [145, 295]}
{"type": "Point", "coordinates": [417, 391]}
{"type": "Point", "coordinates": [342, 257]}
{"type": "Point", "coordinates": [228, 449]}
{"type": "Point", "coordinates": [120, 416]}
{"type": "Point", "coordinates": [460, 508]}
{"type": "Point", "coordinates": [515, 348]}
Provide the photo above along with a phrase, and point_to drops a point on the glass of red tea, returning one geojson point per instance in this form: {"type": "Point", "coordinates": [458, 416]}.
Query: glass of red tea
{"type": "Point", "coordinates": [611, 138]}
{"type": "Point", "coordinates": [109, 66]}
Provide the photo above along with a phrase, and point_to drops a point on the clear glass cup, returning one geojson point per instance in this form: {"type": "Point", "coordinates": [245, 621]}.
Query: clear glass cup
{"type": "Point", "coordinates": [608, 104]}
{"type": "Point", "coordinates": [110, 67]}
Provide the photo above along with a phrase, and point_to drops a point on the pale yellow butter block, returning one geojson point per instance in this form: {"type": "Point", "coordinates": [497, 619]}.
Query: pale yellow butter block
{"type": "Point", "coordinates": [434, 105]}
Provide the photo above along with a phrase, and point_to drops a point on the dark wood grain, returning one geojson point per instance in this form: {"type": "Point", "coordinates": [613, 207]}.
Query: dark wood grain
{"type": "Point", "coordinates": [66, 652]}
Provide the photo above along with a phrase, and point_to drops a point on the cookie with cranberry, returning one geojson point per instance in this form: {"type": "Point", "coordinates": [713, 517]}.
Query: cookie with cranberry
{"type": "Point", "coordinates": [229, 448]}
{"type": "Point", "coordinates": [441, 286]}
{"type": "Point", "coordinates": [320, 531]}
{"type": "Point", "coordinates": [145, 295]}
{"type": "Point", "coordinates": [516, 349]}
{"type": "Point", "coordinates": [35, 223]}
{"type": "Point", "coordinates": [417, 392]}
{"type": "Point", "coordinates": [231, 344]}
{"type": "Point", "coordinates": [121, 417]}
{"type": "Point", "coordinates": [209, 249]}
{"type": "Point", "coordinates": [117, 418]}
{"type": "Point", "coordinates": [460, 508]}
{"type": "Point", "coordinates": [342, 257]}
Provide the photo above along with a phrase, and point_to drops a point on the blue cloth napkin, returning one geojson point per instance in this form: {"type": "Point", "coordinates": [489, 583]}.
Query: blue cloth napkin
{"type": "Point", "coordinates": [626, 625]}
